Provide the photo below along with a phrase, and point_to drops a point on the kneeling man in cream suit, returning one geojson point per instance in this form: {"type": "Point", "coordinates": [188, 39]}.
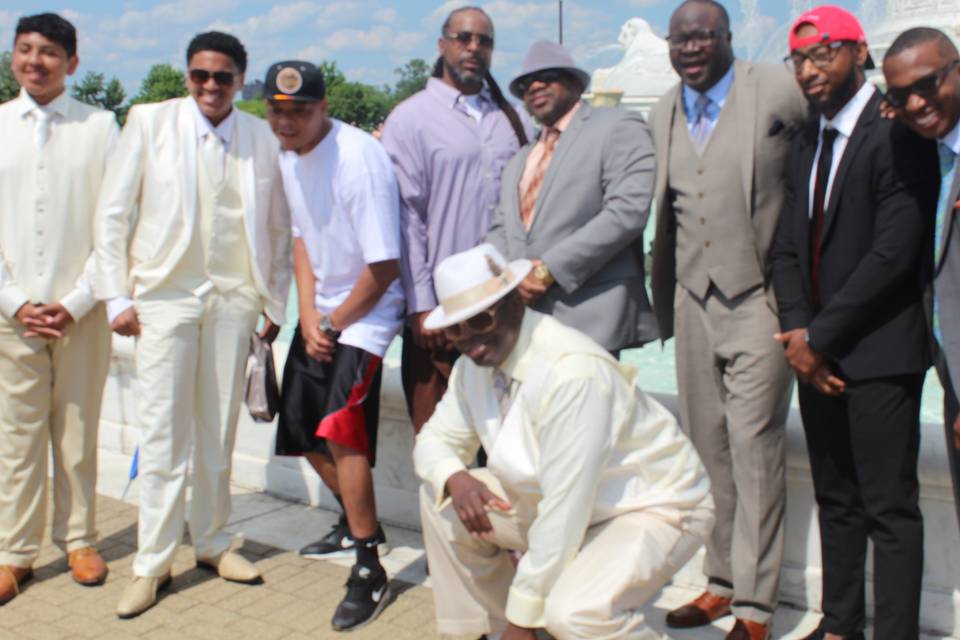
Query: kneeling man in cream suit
{"type": "Point", "coordinates": [586, 475]}
{"type": "Point", "coordinates": [192, 225]}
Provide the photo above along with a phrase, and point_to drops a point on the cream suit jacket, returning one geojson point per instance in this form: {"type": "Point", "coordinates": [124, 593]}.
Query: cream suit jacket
{"type": "Point", "coordinates": [148, 204]}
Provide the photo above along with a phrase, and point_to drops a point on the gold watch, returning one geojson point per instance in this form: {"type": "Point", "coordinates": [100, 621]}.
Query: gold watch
{"type": "Point", "coordinates": [542, 273]}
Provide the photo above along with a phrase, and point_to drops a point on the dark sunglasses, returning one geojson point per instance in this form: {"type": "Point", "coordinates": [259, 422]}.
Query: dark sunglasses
{"type": "Point", "coordinates": [483, 322]}
{"type": "Point", "coordinates": [466, 37]}
{"type": "Point", "coordinates": [222, 78]}
{"type": "Point", "coordinates": [925, 87]}
{"type": "Point", "coordinates": [547, 77]}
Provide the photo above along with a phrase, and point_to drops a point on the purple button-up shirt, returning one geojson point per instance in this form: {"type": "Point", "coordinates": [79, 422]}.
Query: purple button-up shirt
{"type": "Point", "coordinates": [448, 167]}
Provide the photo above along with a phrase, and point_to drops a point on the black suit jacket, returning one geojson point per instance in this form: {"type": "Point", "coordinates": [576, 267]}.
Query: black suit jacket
{"type": "Point", "coordinates": [875, 252]}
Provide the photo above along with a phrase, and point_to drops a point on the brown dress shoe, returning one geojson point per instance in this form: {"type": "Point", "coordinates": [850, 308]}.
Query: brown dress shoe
{"type": "Point", "coordinates": [748, 630]}
{"type": "Point", "coordinates": [699, 613]}
{"type": "Point", "coordinates": [87, 567]}
{"type": "Point", "coordinates": [10, 580]}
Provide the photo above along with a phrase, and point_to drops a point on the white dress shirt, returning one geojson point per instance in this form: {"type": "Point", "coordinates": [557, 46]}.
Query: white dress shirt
{"type": "Point", "coordinates": [952, 139]}
{"type": "Point", "coordinates": [580, 444]}
{"type": "Point", "coordinates": [718, 97]}
{"type": "Point", "coordinates": [844, 122]}
{"type": "Point", "coordinates": [48, 198]}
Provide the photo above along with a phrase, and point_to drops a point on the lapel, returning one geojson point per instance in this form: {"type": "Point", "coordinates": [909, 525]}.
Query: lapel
{"type": "Point", "coordinates": [243, 147]}
{"type": "Point", "coordinates": [862, 130]}
{"type": "Point", "coordinates": [567, 140]}
{"type": "Point", "coordinates": [745, 89]}
{"type": "Point", "coordinates": [663, 127]}
{"type": "Point", "coordinates": [512, 214]}
{"type": "Point", "coordinates": [811, 133]}
{"type": "Point", "coordinates": [188, 156]}
{"type": "Point", "coordinates": [951, 219]}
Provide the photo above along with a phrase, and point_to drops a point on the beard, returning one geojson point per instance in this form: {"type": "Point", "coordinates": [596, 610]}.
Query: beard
{"type": "Point", "coordinates": [464, 78]}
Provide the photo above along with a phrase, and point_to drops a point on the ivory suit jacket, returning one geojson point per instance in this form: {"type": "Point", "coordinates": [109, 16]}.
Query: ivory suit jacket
{"type": "Point", "coordinates": [148, 204]}
{"type": "Point", "coordinates": [769, 112]}
{"type": "Point", "coordinates": [588, 224]}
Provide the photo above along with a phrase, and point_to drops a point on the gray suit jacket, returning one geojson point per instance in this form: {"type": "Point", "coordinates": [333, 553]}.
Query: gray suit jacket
{"type": "Point", "coordinates": [588, 224]}
{"type": "Point", "coordinates": [946, 283]}
{"type": "Point", "coordinates": [770, 110]}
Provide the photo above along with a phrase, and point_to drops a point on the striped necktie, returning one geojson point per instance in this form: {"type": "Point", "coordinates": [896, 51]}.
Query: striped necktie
{"type": "Point", "coordinates": [501, 388]}
{"type": "Point", "coordinates": [948, 164]}
{"type": "Point", "coordinates": [528, 201]}
{"type": "Point", "coordinates": [702, 126]}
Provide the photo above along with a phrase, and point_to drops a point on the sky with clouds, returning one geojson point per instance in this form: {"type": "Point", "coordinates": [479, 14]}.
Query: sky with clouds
{"type": "Point", "coordinates": [368, 39]}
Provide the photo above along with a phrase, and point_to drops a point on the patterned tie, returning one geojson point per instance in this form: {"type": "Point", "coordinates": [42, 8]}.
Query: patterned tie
{"type": "Point", "coordinates": [948, 161]}
{"type": "Point", "coordinates": [211, 153]}
{"type": "Point", "coordinates": [41, 130]}
{"type": "Point", "coordinates": [702, 127]}
{"type": "Point", "coordinates": [817, 215]}
{"type": "Point", "coordinates": [501, 388]}
{"type": "Point", "coordinates": [528, 201]}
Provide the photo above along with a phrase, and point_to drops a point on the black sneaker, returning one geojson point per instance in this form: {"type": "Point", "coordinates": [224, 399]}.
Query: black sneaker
{"type": "Point", "coordinates": [368, 593]}
{"type": "Point", "coordinates": [339, 544]}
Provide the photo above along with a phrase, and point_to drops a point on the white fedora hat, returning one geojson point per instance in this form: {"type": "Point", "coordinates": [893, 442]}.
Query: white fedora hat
{"type": "Point", "coordinates": [471, 281]}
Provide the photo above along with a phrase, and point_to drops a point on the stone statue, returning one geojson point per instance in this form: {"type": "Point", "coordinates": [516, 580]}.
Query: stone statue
{"type": "Point", "coordinates": [645, 69]}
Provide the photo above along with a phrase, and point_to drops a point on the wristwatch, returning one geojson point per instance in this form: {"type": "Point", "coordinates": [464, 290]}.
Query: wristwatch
{"type": "Point", "coordinates": [542, 273]}
{"type": "Point", "coordinates": [327, 327]}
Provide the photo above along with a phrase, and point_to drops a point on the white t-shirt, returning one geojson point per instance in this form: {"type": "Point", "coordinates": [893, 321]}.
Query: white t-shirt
{"type": "Point", "coordinates": [344, 205]}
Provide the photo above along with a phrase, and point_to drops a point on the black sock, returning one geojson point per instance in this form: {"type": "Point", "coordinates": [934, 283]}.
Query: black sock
{"type": "Point", "coordinates": [367, 554]}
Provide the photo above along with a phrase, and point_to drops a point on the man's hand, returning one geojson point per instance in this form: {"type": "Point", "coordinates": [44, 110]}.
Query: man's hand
{"type": "Point", "coordinates": [470, 499]}
{"type": "Point", "coordinates": [127, 323]}
{"type": "Point", "coordinates": [514, 632]}
{"type": "Point", "coordinates": [804, 360]}
{"type": "Point", "coordinates": [956, 433]}
{"type": "Point", "coordinates": [824, 381]}
{"type": "Point", "coordinates": [269, 331]}
{"type": "Point", "coordinates": [531, 287]}
{"type": "Point", "coordinates": [37, 324]}
{"type": "Point", "coordinates": [429, 339]}
{"type": "Point", "coordinates": [318, 344]}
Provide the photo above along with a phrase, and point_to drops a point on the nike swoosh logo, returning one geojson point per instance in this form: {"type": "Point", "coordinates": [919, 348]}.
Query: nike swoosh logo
{"type": "Point", "coordinates": [379, 594]}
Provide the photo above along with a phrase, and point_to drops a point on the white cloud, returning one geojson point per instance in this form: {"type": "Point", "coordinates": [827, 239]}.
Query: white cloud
{"type": "Point", "coordinates": [375, 38]}
{"type": "Point", "coordinates": [169, 13]}
{"type": "Point", "coordinates": [645, 3]}
{"type": "Point", "coordinates": [386, 15]}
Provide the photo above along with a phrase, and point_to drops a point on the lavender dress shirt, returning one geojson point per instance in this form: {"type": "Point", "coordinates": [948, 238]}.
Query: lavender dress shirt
{"type": "Point", "coordinates": [448, 168]}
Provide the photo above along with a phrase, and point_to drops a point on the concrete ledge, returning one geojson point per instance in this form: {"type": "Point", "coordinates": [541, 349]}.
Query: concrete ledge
{"type": "Point", "coordinates": [257, 468]}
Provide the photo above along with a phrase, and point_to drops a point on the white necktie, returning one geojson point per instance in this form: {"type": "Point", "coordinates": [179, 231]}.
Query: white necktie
{"type": "Point", "coordinates": [41, 129]}
{"type": "Point", "coordinates": [211, 153]}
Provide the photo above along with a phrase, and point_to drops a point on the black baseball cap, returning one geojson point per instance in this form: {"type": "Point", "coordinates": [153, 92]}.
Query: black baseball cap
{"type": "Point", "coordinates": [294, 80]}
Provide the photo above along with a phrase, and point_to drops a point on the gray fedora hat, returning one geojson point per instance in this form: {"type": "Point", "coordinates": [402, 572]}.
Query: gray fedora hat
{"type": "Point", "coordinates": [545, 55]}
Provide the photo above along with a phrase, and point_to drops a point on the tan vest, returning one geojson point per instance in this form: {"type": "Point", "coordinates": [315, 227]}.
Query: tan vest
{"type": "Point", "coordinates": [218, 250]}
{"type": "Point", "coordinates": [714, 235]}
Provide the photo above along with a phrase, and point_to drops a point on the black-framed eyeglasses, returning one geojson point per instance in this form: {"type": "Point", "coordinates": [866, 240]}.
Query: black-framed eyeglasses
{"type": "Point", "coordinates": [479, 324]}
{"type": "Point", "coordinates": [701, 38]}
{"type": "Point", "coordinates": [467, 37]}
{"type": "Point", "coordinates": [546, 76]}
{"type": "Point", "coordinates": [820, 56]}
{"type": "Point", "coordinates": [925, 87]}
{"type": "Point", "coordinates": [222, 78]}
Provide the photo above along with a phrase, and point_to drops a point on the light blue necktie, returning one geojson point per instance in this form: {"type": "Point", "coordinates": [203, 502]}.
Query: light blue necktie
{"type": "Point", "coordinates": [702, 125]}
{"type": "Point", "coordinates": [948, 162]}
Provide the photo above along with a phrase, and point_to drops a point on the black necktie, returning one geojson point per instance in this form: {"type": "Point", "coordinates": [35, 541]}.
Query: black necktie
{"type": "Point", "coordinates": [829, 136]}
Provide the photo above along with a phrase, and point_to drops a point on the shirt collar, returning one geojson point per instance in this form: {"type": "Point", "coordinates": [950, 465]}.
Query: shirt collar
{"type": "Point", "coordinates": [224, 130]}
{"type": "Point", "coordinates": [565, 120]}
{"type": "Point", "coordinates": [515, 365]}
{"type": "Point", "coordinates": [451, 97]}
{"type": "Point", "coordinates": [952, 139]}
{"type": "Point", "coordinates": [717, 93]}
{"type": "Point", "coordinates": [846, 120]}
{"type": "Point", "coordinates": [58, 105]}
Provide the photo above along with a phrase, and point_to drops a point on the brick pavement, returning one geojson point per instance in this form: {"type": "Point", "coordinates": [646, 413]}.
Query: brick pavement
{"type": "Point", "coordinates": [295, 602]}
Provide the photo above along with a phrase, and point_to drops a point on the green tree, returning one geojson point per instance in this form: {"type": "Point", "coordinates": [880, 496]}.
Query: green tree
{"type": "Point", "coordinates": [93, 90]}
{"type": "Point", "coordinates": [9, 87]}
{"type": "Point", "coordinates": [359, 104]}
{"type": "Point", "coordinates": [254, 106]}
{"type": "Point", "coordinates": [413, 78]}
{"type": "Point", "coordinates": [162, 83]}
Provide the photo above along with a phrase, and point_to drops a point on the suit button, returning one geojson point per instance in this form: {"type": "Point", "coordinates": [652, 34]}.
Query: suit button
{"type": "Point", "coordinates": [700, 195]}
{"type": "Point", "coordinates": [707, 244]}
{"type": "Point", "coordinates": [703, 221]}
{"type": "Point", "coordinates": [699, 172]}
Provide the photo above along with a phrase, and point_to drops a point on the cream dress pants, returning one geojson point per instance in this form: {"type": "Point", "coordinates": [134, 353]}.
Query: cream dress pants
{"type": "Point", "coordinates": [190, 359]}
{"type": "Point", "coordinates": [50, 393]}
{"type": "Point", "coordinates": [622, 564]}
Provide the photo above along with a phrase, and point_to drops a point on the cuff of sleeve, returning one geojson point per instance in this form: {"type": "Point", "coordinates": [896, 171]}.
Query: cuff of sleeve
{"type": "Point", "coordinates": [78, 303]}
{"type": "Point", "coordinates": [11, 299]}
{"type": "Point", "coordinates": [566, 281]}
{"type": "Point", "coordinates": [116, 306]}
{"type": "Point", "coordinates": [442, 471]}
{"type": "Point", "coordinates": [421, 298]}
{"type": "Point", "coordinates": [525, 610]}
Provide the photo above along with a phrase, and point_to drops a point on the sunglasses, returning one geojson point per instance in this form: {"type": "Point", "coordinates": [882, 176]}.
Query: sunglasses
{"type": "Point", "coordinates": [820, 56]}
{"type": "Point", "coordinates": [222, 78]}
{"type": "Point", "coordinates": [467, 37]}
{"type": "Point", "coordinates": [547, 77]}
{"type": "Point", "coordinates": [701, 38]}
{"type": "Point", "coordinates": [479, 324]}
{"type": "Point", "coordinates": [925, 87]}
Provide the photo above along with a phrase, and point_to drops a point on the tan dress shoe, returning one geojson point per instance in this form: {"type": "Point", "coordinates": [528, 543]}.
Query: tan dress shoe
{"type": "Point", "coordinates": [87, 567]}
{"type": "Point", "coordinates": [140, 595]}
{"type": "Point", "coordinates": [706, 608]}
{"type": "Point", "coordinates": [748, 630]}
{"type": "Point", "coordinates": [11, 578]}
{"type": "Point", "coordinates": [232, 566]}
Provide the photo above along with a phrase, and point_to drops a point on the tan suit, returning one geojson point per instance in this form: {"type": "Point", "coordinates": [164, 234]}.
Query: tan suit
{"type": "Point", "coordinates": [50, 390]}
{"type": "Point", "coordinates": [717, 210]}
{"type": "Point", "coordinates": [206, 256]}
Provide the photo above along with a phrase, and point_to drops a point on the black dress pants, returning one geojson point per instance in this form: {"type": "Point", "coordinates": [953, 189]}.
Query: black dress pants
{"type": "Point", "coordinates": [863, 449]}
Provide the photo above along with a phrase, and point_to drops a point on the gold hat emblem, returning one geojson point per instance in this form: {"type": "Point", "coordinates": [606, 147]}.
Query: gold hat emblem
{"type": "Point", "coordinates": [289, 80]}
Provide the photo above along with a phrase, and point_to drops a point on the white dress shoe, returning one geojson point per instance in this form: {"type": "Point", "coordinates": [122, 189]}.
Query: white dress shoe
{"type": "Point", "coordinates": [230, 565]}
{"type": "Point", "coordinates": [140, 595]}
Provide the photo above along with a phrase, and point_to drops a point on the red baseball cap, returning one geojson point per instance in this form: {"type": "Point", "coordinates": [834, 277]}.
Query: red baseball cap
{"type": "Point", "coordinates": [833, 24]}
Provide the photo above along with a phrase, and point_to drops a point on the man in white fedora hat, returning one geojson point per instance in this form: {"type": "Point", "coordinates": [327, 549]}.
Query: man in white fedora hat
{"type": "Point", "coordinates": [587, 476]}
